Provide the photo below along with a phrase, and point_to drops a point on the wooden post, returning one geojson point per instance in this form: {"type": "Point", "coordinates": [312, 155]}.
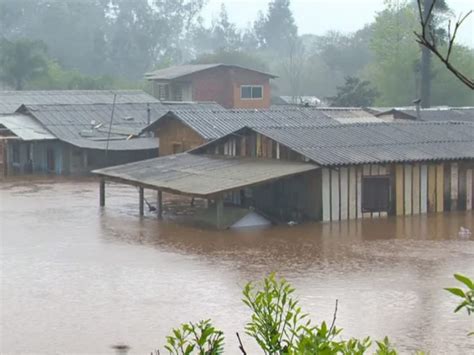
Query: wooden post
{"type": "Point", "coordinates": [219, 212]}
{"type": "Point", "coordinates": [439, 188]}
{"type": "Point", "coordinates": [141, 201]}
{"type": "Point", "coordinates": [326, 194]}
{"type": "Point", "coordinates": [454, 186]}
{"type": "Point", "coordinates": [159, 203]}
{"type": "Point", "coordinates": [102, 192]}
{"type": "Point", "coordinates": [399, 192]}
{"type": "Point", "coordinates": [469, 189]}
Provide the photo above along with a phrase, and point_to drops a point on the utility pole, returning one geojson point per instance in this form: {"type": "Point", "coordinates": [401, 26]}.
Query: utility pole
{"type": "Point", "coordinates": [425, 86]}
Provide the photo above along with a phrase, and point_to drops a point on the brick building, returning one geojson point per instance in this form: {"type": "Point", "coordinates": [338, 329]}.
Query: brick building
{"type": "Point", "coordinates": [228, 85]}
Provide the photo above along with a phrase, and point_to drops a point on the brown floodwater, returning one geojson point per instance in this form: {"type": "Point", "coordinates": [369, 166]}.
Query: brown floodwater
{"type": "Point", "coordinates": [77, 279]}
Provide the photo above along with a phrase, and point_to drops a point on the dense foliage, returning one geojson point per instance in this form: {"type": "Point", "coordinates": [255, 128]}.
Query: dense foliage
{"type": "Point", "coordinates": [109, 43]}
{"type": "Point", "coordinates": [278, 325]}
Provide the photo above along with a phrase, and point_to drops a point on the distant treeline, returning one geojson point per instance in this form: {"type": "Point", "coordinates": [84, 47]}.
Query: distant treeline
{"type": "Point", "coordinates": [112, 43]}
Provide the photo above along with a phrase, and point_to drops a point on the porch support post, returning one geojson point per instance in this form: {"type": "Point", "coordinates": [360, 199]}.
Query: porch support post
{"type": "Point", "coordinates": [159, 203]}
{"type": "Point", "coordinates": [219, 212]}
{"type": "Point", "coordinates": [102, 192]}
{"type": "Point", "coordinates": [141, 201]}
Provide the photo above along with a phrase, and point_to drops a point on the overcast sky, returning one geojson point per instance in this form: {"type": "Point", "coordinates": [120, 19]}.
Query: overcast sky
{"type": "Point", "coordinates": [319, 16]}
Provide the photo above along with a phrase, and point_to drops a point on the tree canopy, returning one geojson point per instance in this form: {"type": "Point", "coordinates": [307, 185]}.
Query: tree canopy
{"type": "Point", "coordinates": [104, 43]}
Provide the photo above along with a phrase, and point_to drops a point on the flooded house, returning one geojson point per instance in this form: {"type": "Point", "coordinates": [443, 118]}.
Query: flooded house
{"type": "Point", "coordinates": [437, 114]}
{"type": "Point", "coordinates": [179, 131]}
{"type": "Point", "coordinates": [73, 132]}
{"type": "Point", "coordinates": [330, 172]}
{"type": "Point", "coordinates": [231, 86]}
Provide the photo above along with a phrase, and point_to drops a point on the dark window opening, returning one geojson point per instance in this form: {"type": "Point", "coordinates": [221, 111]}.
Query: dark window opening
{"type": "Point", "coordinates": [251, 92]}
{"type": "Point", "coordinates": [16, 153]}
{"type": "Point", "coordinates": [51, 165]}
{"type": "Point", "coordinates": [376, 193]}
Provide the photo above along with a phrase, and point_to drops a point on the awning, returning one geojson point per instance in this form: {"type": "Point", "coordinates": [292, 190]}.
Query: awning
{"type": "Point", "coordinates": [202, 175]}
{"type": "Point", "coordinates": [25, 127]}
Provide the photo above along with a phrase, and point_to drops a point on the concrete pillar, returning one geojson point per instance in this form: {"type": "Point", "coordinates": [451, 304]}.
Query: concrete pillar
{"type": "Point", "coordinates": [102, 192]}
{"type": "Point", "coordinates": [159, 205]}
{"type": "Point", "coordinates": [219, 213]}
{"type": "Point", "coordinates": [141, 200]}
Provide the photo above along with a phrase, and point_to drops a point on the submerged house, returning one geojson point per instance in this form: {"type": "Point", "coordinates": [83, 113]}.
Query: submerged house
{"type": "Point", "coordinates": [84, 129]}
{"type": "Point", "coordinates": [179, 131]}
{"type": "Point", "coordinates": [464, 114]}
{"type": "Point", "coordinates": [230, 86]}
{"type": "Point", "coordinates": [84, 138]}
{"type": "Point", "coordinates": [329, 172]}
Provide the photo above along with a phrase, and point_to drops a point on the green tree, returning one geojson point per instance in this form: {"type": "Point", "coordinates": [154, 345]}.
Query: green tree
{"type": "Point", "coordinates": [21, 61]}
{"type": "Point", "coordinates": [241, 58]}
{"type": "Point", "coordinates": [395, 70]}
{"type": "Point", "coordinates": [276, 30]}
{"type": "Point", "coordinates": [222, 35]}
{"type": "Point", "coordinates": [355, 93]}
{"type": "Point", "coordinates": [440, 8]}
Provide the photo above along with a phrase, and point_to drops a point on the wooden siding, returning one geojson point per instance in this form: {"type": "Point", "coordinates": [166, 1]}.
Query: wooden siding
{"type": "Point", "coordinates": [415, 189]}
{"type": "Point", "coordinates": [176, 137]}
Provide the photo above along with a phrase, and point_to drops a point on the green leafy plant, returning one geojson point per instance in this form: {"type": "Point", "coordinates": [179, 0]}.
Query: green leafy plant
{"type": "Point", "coordinates": [279, 325]}
{"type": "Point", "coordinates": [466, 295]}
{"type": "Point", "coordinates": [201, 338]}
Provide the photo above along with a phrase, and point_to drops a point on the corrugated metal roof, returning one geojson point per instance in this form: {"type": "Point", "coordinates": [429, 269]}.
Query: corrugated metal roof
{"type": "Point", "coordinates": [9, 99]}
{"type": "Point", "coordinates": [202, 175]}
{"type": "Point", "coordinates": [6, 108]}
{"type": "Point", "coordinates": [139, 143]}
{"type": "Point", "coordinates": [349, 115]}
{"type": "Point", "coordinates": [81, 123]}
{"type": "Point", "coordinates": [180, 71]}
{"type": "Point", "coordinates": [212, 124]}
{"type": "Point", "coordinates": [451, 114]}
{"type": "Point", "coordinates": [465, 114]}
{"type": "Point", "coordinates": [25, 127]}
{"type": "Point", "coordinates": [378, 142]}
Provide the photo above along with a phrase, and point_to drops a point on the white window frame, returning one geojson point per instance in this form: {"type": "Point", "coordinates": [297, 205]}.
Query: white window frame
{"type": "Point", "coordinates": [251, 87]}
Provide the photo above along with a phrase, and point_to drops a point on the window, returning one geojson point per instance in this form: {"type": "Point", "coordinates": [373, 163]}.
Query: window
{"type": "Point", "coordinates": [375, 193]}
{"type": "Point", "coordinates": [251, 92]}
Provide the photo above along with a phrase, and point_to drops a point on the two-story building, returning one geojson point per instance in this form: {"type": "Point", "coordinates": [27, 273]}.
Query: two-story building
{"type": "Point", "coordinates": [230, 86]}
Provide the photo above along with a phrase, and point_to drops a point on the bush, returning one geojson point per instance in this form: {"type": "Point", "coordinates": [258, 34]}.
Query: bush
{"type": "Point", "coordinates": [278, 325]}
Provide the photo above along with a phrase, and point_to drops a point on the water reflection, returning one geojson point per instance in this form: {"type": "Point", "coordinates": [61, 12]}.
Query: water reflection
{"type": "Point", "coordinates": [76, 278]}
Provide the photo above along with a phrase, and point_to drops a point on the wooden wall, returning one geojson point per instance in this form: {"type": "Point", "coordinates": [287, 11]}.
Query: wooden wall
{"type": "Point", "coordinates": [176, 137]}
{"type": "Point", "coordinates": [415, 189]}
{"type": "Point", "coordinates": [342, 192]}
{"type": "Point", "coordinates": [296, 198]}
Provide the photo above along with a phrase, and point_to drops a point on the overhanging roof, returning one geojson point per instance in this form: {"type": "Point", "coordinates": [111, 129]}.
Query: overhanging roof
{"type": "Point", "coordinates": [378, 143]}
{"type": "Point", "coordinates": [179, 71]}
{"type": "Point", "coordinates": [212, 124]}
{"type": "Point", "coordinates": [202, 175]}
{"type": "Point", "coordinates": [25, 127]}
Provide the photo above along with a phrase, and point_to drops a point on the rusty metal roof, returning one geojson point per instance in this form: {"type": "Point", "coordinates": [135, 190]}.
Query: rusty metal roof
{"type": "Point", "coordinates": [179, 71]}
{"type": "Point", "coordinates": [374, 143]}
{"type": "Point", "coordinates": [202, 175]}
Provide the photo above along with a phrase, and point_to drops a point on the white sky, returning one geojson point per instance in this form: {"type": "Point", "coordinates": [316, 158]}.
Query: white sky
{"type": "Point", "coordinates": [319, 16]}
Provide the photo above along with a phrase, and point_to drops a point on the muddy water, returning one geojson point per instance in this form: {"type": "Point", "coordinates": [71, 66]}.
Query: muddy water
{"type": "Point", "coordinates": [76, 279]}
